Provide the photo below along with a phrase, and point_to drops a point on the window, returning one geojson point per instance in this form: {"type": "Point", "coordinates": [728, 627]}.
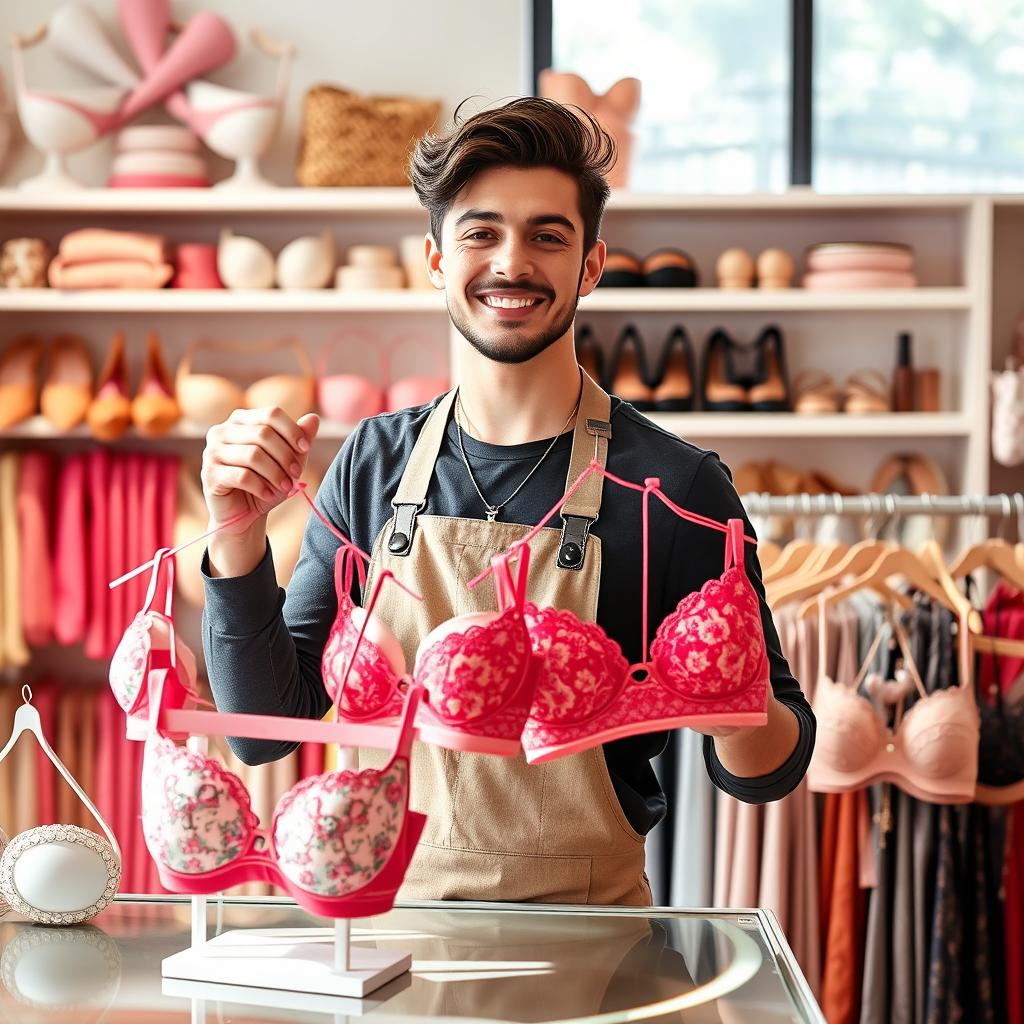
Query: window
{"type": "Point", "coordinates": [915, 96]}
{"type": "Point", "coordinates": [715, 80]}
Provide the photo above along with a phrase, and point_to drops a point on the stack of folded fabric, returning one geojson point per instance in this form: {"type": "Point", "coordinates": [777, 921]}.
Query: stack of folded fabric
{"type": "Point", "coordinates": [98, 258]}
{"type": "Point", "coordinates": [158, 156]}
{"type": "Point", "coordinates": [850, 265]}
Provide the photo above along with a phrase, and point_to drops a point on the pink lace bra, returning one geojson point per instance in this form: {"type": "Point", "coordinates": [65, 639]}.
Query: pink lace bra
{"type": "Point", "coordinates": [540, 679]}
{"type": "Point", "coordinates": [339, 842]}
{"type": "Point", "coordinates": [931, 751]}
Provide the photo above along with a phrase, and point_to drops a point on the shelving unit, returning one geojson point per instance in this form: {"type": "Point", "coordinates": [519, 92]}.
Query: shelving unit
{"type": "Point", "coordinates": [840, 332]}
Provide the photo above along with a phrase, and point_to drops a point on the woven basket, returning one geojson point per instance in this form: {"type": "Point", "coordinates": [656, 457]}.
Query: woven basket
{"type": "Point", "coordinates": [348, 139]}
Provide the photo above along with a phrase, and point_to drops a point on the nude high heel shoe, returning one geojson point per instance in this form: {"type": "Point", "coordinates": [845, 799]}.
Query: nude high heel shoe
{"type": "Point", "coordinates": [19, 369]}
{"type": "Point", "coordinates": [67, 387]}
{"type": "Point", "coordinates": [110, 412]}
{"type": "Point", "coordinates": [155, 410]}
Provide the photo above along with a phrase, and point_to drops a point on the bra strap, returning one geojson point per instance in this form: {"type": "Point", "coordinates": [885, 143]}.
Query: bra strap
{"type": "Point", "coordinates": [511, 590]}
{"type": "Point", "coordinates": [735, 553]}
{"type": "Point", "coordinates": [344, 560]}
{"type": "Point", "coordinates": [407, 727]}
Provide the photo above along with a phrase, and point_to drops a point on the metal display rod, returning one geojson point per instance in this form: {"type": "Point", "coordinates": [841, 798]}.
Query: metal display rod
{"type": "Point", "coordinates": [884, 504]}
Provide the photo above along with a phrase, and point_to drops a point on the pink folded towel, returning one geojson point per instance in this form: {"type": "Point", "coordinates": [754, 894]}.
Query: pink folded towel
{"type": "Point", "coordinates": [108, 273]}
{"type": "Point", "coordinates": [90, 244]}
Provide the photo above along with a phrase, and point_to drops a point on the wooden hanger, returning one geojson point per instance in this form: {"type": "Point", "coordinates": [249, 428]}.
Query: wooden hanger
{"type": "Point", "coordinates": [793, 555]}
{"type": "Point", "coordinates": [767, 554]}
{"type": "Point", "coordinates": [896, 561]}
{"type": "Point", "coordinates": [992, 553]}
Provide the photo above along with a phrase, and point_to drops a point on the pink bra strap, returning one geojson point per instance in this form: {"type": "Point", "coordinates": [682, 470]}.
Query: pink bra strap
{"type": "Point", "coordinates": [511, 590]}
{"type": "Point", "coordinates": [330, 526]}
{"type": "Point", "coordinates": [344, 560]}
{"type": "Point", "coordinates": [735, 552]}
{"type": "Point", "coordinates": [650, 484]}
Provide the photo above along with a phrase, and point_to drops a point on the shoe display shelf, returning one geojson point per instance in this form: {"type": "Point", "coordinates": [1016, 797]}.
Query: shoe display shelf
{"type": "Point", "coordinates": [950, 314]}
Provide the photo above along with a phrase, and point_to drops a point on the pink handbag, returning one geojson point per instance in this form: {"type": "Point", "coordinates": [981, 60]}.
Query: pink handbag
{"type": "Point", "coordinates": [349, 397]}
{"type": "Point", "coordinates": [412, 391]}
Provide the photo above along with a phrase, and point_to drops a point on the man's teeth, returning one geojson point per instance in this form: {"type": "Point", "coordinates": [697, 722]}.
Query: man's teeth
{"type": "Point", "coordinates": [503, 302]}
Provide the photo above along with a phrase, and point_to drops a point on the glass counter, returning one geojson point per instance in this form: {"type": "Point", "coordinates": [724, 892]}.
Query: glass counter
{"type": "Point", "coordinates": [470, 962]}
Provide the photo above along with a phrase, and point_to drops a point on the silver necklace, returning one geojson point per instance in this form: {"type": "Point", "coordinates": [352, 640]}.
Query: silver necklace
{"type": "Point", "coordinates": [493, 510]}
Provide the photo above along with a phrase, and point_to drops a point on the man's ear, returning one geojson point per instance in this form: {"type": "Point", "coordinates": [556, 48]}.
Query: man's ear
{"type": "Point", "coordinates": [593, 267]}
{"type": "Point", "coordinates": [435, 261]}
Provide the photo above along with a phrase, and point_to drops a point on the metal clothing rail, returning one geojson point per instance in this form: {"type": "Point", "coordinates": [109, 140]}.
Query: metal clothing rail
{"type": "Point", "coordinates": [762, 504]}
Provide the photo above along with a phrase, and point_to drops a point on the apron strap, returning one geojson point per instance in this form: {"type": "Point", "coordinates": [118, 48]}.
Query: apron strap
{"type": "Point", "coordinates": [411, 497]}
{"type": "Point", "coordinates": [590, 440]}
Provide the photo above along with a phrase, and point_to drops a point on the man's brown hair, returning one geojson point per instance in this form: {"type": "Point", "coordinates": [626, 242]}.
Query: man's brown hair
{"type": "Point", "coordinates": [525, 132]}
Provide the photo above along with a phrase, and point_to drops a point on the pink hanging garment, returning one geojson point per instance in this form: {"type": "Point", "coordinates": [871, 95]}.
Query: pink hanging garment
{"type": "Point", "coordinates": [117, 555]}
{"type": "Point", "coordinates": [71, 553]}
{"type": "Point", "coordinates": [99, 563]}
{"type": "Point", "coordinates": [134, 553]}
{"type": "Point", "coordinates": [35, 507]}
{"type": "Point", "coordinates": [168, 500]}
{"type": "Point", "coordinates": [107, 750]}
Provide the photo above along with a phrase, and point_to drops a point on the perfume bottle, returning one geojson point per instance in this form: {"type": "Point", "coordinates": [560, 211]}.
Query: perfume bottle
{"type": "Point", "coordinates": [903, 376]}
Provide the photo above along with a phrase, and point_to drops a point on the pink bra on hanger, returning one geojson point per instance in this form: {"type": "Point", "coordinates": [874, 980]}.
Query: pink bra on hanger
{"type": "Point", "coordinates": [339, 843]}
{"type": "Point", "coordinates": [150, 643]}
{"type": "Point", "coordinates": [931, 752]}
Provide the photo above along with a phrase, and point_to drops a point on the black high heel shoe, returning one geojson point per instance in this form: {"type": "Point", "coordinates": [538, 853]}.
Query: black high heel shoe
{"type": "Point", "coordinates": [770, 390]}
{"type": "Point", "coordinates": [589, 355]}
{"type": "Point", "coordinates": [628, 375]}
{"type": "Point", "coordinates": [674, 379]}
{"type": "Point", "coordinates": [721, 389]}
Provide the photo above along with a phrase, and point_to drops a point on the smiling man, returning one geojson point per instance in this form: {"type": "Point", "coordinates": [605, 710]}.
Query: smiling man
{"type": "Point", "coordinates": [515, 197]}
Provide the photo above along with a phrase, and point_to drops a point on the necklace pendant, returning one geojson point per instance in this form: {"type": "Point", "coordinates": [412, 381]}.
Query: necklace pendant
{"type": "Point", "coordinates": [492, 513]}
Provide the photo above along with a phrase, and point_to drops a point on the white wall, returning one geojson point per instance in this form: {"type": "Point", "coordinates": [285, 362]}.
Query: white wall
{"type": "Point", "coordinates": [447, 49]}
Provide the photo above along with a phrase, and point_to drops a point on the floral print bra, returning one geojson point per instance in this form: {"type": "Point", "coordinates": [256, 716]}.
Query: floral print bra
{"type": "Point", "coordinates": [339, 842]}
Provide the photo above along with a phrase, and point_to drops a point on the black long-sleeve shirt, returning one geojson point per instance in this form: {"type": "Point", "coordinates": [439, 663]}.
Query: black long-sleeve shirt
{"type": "Point", "coordinates": [263, 647]}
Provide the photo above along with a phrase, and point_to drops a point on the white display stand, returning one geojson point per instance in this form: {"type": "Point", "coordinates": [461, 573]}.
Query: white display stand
{"type": "Point", "coordinates": [318, 961]}
{"type": "Point", "coordinates": [314, 961]}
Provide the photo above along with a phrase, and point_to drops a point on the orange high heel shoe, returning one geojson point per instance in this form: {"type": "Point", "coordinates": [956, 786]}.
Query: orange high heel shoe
{"type": "Point", "coordinates": [19, 370]}
{"type": "Point", "coordinates": [110, 412]}
{"type": "Point", "coordinates": [155, 409]}
{"type": "Point", "coordinates": [67, 386]}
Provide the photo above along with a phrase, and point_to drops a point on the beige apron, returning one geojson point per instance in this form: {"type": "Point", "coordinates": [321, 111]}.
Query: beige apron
{"type": "Point", "coordinates": [498, 828]}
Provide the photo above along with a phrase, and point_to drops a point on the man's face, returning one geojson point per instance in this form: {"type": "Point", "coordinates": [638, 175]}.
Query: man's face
{"type": "Point", "coordinates": [512, 262]}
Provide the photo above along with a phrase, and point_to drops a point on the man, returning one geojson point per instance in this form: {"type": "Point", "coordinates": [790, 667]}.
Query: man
{"type": "Point", "coordinates": [515, 197]}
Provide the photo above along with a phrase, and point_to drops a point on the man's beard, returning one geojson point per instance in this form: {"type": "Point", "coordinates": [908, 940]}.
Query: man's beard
{"type": "Point", "coordinates": [507, 347]}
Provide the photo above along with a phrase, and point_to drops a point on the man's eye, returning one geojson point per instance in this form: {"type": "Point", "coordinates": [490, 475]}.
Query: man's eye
{"type": "Point", "coordinates": [548, 237]}
{"type": "Point", "coordinates": [475, 235]}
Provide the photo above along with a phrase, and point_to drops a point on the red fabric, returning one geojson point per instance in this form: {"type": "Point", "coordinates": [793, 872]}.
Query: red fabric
{"type": "Point", "coordinates": [844, 945]}
{"type": "Point", "coordinates": [117, 553]}
{"type": "Point", "coordinates": [71, 553]}
{"type": "Point", "coordinates": [311, 759]}
{"type": "Point", "coordinates": [99, 565]}
{"type": "Point", "coordinates": [1004, 616]}
{"type": "Point", "coordinates": [135, 592]}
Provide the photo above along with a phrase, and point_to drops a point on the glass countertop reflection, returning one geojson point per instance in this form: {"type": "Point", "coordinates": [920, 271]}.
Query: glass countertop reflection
{"type": "Point", "coordinates": [470, 962]}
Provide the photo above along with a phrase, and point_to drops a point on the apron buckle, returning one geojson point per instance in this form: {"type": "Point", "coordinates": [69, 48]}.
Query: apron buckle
{"type": "Point", "coordinates": [572, 545]}
{"type": "Point", "coordinates": [400, 541]}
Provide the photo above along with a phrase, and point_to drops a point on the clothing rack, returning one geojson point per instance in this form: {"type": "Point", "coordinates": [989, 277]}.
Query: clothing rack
{"type": "Point", "coordinates": [763, 504]}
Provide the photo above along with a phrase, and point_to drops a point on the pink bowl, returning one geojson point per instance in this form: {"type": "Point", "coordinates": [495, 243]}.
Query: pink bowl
{"type": "Point", "coordinates": [879, 259]}
{"type": "Point", "coordinates": [412, 391]}
{"type": "Point", "coordinates": [846, 280]}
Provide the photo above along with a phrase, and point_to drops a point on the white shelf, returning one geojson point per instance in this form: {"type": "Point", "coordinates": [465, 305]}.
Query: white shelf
{"type": "Point", "coordinates": [376, 201]}
{"type": "Point", "coordinates": [604, 300]}
{"type": "Point", "coordinates": [219, 300]}
{"type": "Point", "coordinates": [402, 201]}
{"type": "Point", "coordinates": [40, 428]}
{"type": "Point", "coordinates": [841, 425]}
{"type": "Point", "coordinates": [686, 424]}
{"type": "Point", "coordinates": [717, 300]}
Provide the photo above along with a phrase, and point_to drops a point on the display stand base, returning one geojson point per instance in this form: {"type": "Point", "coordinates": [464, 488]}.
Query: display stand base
{"type": "Point", "coordinates": [287, 960]}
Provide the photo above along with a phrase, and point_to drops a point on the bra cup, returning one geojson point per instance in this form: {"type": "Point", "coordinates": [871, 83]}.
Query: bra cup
{"type": "Point", "coordinates": [146, 633]}
{"type": "Point", "coordinates": [937, 742]}
{"type": "Point", "coordinates": [470, 665]}
{"type": "Point", "coordinates": [196, 817]}
{"type": "Point", "coordinates": [580, 669]}
{"type": "Point", "coordinates": [849, 732]}
{"type": "Point", "coordinates": [372, 682]}
{"type": "Point", "coordinates": [334, 833]}
{"type": "Point", "coordinates": [293, 394]}
{"type": "Point", "coordinates": [712, 645]}
{"type": "Point", "coordinates": [206, 399]}
{"type": "Point", "coordinates": [348, 398]}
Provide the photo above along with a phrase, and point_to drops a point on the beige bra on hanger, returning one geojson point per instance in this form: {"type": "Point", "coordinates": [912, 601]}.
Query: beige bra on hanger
{"type": "Point", "coordinates": [208, 398]}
